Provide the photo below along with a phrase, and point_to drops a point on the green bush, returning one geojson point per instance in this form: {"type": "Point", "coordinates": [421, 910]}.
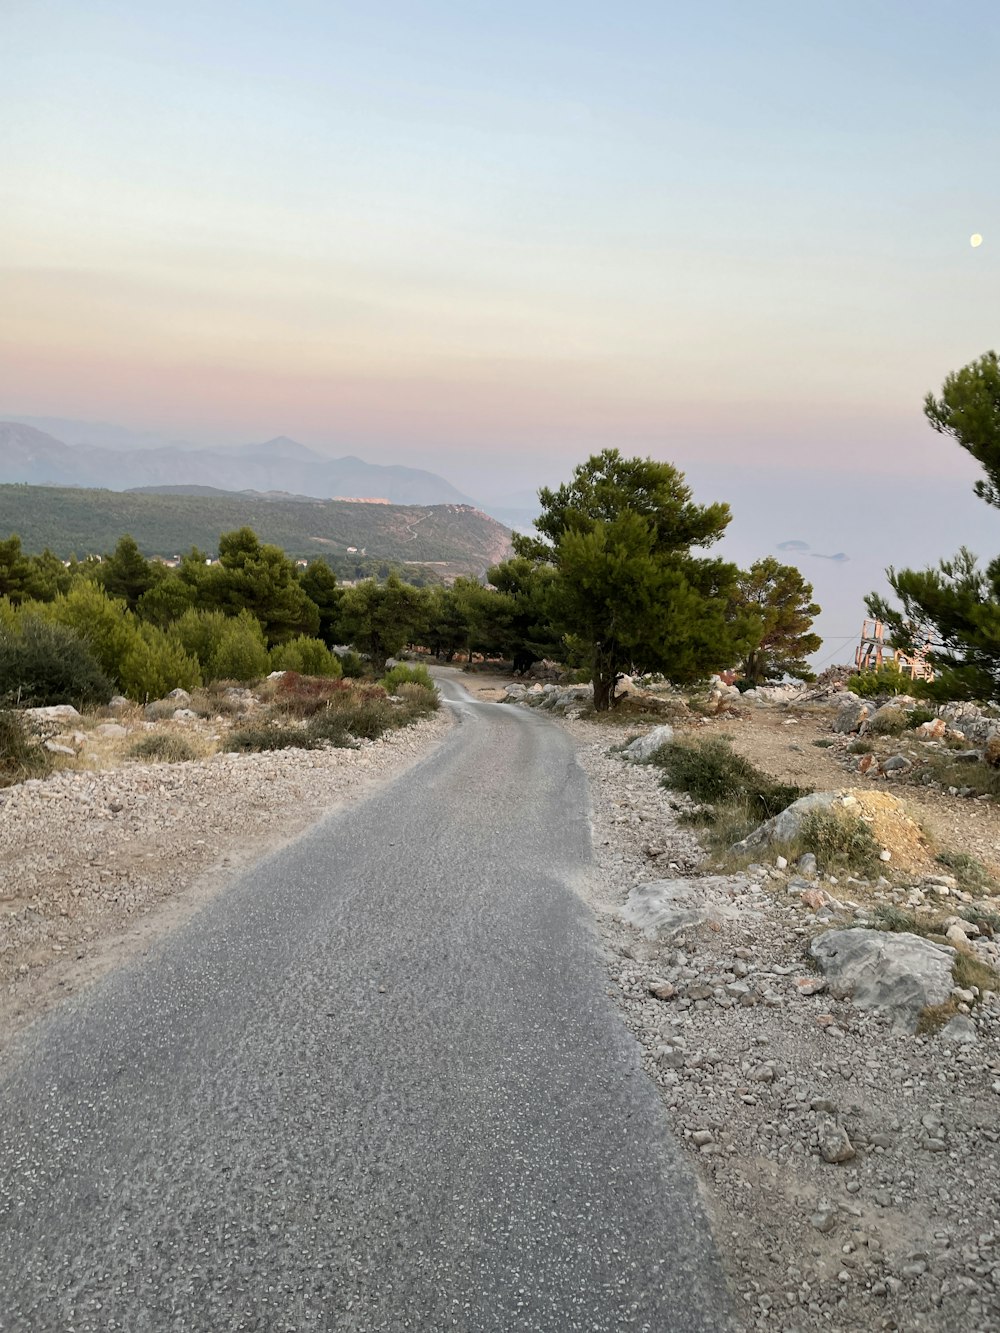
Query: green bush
{"type": "Point", "coordinates": [309, 657]}
{"type": "Point", "coordinates": [241, 651]}
{"type": "Point", "coordinates": [154, 664]}
{"type": "Point", "coordinates": [21, 756]}
{"type": "Point", "coordinates": [890, 722]}
{"type": "Point", "coordinates": [839, 841]}
{"type": "Point", "coordinates": [103, 622]}
{"type": "Point", "coordinates": [42, 664]}
{"type": "Point", "coordinates": [165, 748]}
{"type": "Point", "coordinates": [351, 664]}
{"type": "Point", "coordinates": [227, 647]}
{"type": "Point", "coordinates": [918, 716]}
{"type": "Point", "coordinates": [888, 679]}
{"type": "Point", "coordinates": [271, 736]}
{"type": "Point", "coordinates": [406, 675]}
{"type": "Point", "coordinates": [711, 772]}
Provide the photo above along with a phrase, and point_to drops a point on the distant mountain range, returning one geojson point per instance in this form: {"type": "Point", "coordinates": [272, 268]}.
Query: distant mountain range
{"type": "Point", "coordinates": [281, 465]}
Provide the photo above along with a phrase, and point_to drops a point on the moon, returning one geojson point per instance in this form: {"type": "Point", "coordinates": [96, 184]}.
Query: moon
{"type": "Point", "coordinates": [975, 240]}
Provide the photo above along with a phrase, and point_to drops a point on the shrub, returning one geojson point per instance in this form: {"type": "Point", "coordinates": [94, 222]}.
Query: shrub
{"type": "Point", "coordinates": [227, 647]}
{"type": "Point", "coordinates": [918, 716]}
{"type": "Point", "coordinates": [163, 749]}
{"type": "Point", "coordinates": [406, 675]}
{"type": "Point", "coordinates": [351, 664]}
{"type": "Point", "coordinates": [103, 622]}
{"type": "Point", "coordinates": [890, 722]}
{"type": "Point", "coordinates": [888, 679]}
{"type": "Point", "coordinates": [418, 700]}
{"type": "Point", "coordinates": [712, 772]}
{"type": "Point", "coordinates": [302, 696]}
{"type": "Point", "coordinates": [309, 657]}
{"type": "Point", "coordinates": [156, 663]}
{"type": "Point", "coordinates": [330, 726]}
{"type": "Point", "coordinates": [366, 718]}
{"type": "Point", "coordinates": [860, 746]}
{"type": "Point", "coordinates": [42, 664]}
{"type": "Point", "coordinates": [241, 651]}
{"type": "Point", "coordinates": [21, 756]}
{"type": "Point", "coordinates": [839, 841]}
{"type": "Point", "coordinates": [270, 736]}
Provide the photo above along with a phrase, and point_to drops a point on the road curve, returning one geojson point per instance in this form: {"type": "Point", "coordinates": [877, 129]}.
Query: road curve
{"type": "Point", "coordinates": [376, 1085]}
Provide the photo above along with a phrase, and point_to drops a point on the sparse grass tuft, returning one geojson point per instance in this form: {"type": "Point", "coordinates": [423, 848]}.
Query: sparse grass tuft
{"type": "Point", "coordinates": [969, 971]}
{"type": "Point", "coordinates": [165, 748]}
{"type": "Point", "coordinates": [971, 874]}
{"type": "Point", "coordinates": [21, 755]}
{"type": "Point", "coordinates": [983, 780]}
{"type": "Point", "coordinates": [824, 743]}
{"type": "Point", "coordinates": [860, 746]}
{"type": "Point", "coordinates": [933, 1017]}
{"type": "Point", "coordinates": [268, 735]}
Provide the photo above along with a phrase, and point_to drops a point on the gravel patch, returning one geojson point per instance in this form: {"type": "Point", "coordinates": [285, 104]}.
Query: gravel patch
{"type": "Point", "coordinates": [853, 1172]}
{"type": "Point", "coordinates": [95, 864]}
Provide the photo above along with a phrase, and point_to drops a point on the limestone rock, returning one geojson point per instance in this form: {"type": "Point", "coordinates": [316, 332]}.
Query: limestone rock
{"type": "Point", "coordinates": [895, 974]}
{"type": "Point", "coordinates": [53, 713]}
{"type": "Point", "coordinates": [668, 906]}
{"type": "Point", "coordinates": [960, 1031]}
{"type": "Point", "coordinates": [852, 713]}
{"type": "Point", "coordinates": [786, 826]}
{"type": "Point", "coordinates": [644, 746]}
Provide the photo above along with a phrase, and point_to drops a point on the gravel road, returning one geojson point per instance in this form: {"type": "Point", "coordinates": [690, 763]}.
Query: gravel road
{"type": "Point", "coordinates": [376, 1084]}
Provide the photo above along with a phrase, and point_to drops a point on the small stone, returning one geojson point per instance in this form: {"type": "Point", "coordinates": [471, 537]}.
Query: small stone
{"type": "Point", "coordinates": [781, 862]}
{"type": "Point", "coordinates": [660, 989]}
{"type": "Point", "coordinates": [885, 854]}
{"type": "Point", "coordinates": [702, 1137]}
{"type": "Point", "coordinates": [807, 863]}
{"type": "Point", "coordinates": [834, 1145]}
{"type": "Point", "coordinates": [824, 1220]}
{"type": "Point", "coordinates": [810, 985]}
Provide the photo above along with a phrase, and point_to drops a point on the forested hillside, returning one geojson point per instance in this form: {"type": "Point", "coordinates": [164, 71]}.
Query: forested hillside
{"type": "Point", "coordinates": [82, 522]}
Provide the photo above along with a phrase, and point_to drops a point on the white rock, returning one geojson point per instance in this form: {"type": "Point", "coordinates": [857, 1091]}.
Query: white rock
{"type": "Point", "coordinates": [644, 746]}
{"type": "Point", "coordinates": [895, 974]}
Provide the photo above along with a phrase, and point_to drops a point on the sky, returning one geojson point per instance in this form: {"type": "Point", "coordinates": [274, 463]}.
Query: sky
{"type": "Point", "coordinates": [492, 239]}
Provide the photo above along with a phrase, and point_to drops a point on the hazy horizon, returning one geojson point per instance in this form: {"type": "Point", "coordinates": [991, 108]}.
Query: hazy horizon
{"type": "Point", "coordinates": [490, 242]}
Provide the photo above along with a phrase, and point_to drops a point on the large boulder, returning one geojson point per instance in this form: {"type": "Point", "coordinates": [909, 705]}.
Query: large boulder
{"type": "Point", "coordinates": [53, 713]}
{"type": "Point", "coordinates": [895, 974]}
{"type": "Point", "coordinates": [669, 906]}
{"type": "Point", "coordinates": [852, 712]}
{"type": "Point", "coordinates": [643, 747]}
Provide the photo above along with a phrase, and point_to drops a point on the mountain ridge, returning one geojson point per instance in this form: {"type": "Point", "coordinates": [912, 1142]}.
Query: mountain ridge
{"type": "Point", "coordinates": [34, 457]}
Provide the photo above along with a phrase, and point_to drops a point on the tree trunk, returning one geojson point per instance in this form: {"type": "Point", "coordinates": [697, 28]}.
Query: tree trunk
{"type": "Point", "coordinates": [605, 676]}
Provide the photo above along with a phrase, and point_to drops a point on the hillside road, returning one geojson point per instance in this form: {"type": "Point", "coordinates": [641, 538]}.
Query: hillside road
{"type": "Point", "coordinates": [377, 1084]}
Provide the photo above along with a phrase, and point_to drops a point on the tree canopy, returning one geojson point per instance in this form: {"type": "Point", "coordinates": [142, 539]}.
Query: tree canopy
{"type": "Point", "coordinates": [626, 592]}
{"type": "Point", "coordinates": [778, 599]}
{"type": "Point", "coordinates": [954, 608]}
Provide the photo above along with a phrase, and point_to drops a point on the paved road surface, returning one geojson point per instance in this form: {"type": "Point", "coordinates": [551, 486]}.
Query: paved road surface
{"type": "Point", "coordinates": [376, 1085]}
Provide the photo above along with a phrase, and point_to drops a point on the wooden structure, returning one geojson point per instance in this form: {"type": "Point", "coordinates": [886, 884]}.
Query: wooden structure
{"type": "Point", "coordinates": [872, 653]}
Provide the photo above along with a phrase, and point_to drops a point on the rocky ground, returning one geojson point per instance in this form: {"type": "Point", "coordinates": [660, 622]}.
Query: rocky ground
{"type": "Point", "coordinates": [853, 1170]}
{"type": "Point", "coordinates": [100, 857]}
